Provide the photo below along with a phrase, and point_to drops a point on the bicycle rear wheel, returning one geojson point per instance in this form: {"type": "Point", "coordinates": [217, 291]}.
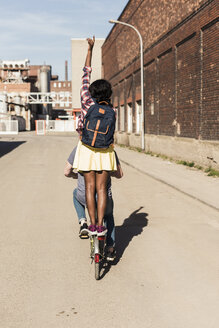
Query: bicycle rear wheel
{"type": "Point", "coordinates": [97, 266]}
{"type": "Point", "coordinates": [92, 247]}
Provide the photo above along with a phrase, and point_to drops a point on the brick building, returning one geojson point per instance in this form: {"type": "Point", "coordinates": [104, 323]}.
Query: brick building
{"type": "Point", "coordinates": [181, 79]}
{"type": "Point", "coordinates": [65, 89]}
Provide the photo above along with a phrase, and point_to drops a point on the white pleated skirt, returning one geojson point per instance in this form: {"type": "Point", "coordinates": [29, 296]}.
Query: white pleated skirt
{"type": "Point", "coordinates": [94, 159]}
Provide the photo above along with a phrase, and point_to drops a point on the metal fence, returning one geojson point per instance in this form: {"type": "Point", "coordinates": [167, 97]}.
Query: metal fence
{"type": "Point", "coordinates": [8, 127]}
{"type": "Point", "coordinates": [40, 127]}
{"type": "Point", "coordinates": [43, 127]}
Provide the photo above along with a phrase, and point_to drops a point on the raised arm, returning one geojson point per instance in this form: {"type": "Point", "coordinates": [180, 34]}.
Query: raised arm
{"type": "Point", "coordinates": [86, 99]}
{"type": "Point", "coordinates": [89, 51]}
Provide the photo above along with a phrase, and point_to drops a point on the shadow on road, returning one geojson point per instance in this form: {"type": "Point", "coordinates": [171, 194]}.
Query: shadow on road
{"type": "Point", "coordinates": [7, 146]}
{"type": "Point", "coordinates": [131, 227]}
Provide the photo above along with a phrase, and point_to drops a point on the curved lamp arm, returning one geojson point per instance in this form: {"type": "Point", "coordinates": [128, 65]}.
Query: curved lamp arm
{"type": "Point", "coordinates": [112, 21]}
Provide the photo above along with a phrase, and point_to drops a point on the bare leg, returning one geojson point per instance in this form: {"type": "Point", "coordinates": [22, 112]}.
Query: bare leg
{"type": "Point", "coordinates": [90, 194]}
{"type": "Point", "coordinates": [101, 184]}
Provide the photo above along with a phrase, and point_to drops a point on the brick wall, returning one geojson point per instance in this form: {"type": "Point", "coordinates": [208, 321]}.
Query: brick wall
{"type": "Point", "coordinates": [210, 84]}
{"type": "Point", "coordinates": [61, 86]}
{"type": "Point", "coordinates": [180, 66]}
{"type": "Point", "coordinates": [166, 93]}
{"type": "Point", "coordinates": [17, 88]}
{"type": "Point", "coordinates": [151, 90]}
{"type": "Point", "coordinates": [188, 89]}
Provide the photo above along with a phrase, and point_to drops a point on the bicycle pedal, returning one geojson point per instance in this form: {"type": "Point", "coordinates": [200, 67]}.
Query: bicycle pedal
{"type": "Point", "coordinates": [84, 236]}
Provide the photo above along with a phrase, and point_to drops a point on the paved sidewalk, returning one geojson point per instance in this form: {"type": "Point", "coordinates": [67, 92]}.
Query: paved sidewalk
{"type": "Point", "coordinates": [189, 181]}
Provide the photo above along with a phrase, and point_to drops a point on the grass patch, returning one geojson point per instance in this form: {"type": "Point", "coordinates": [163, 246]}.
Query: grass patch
{"type": "Point", "coordinates": [165, 157]}
{"type": "Point", "coordinates": [209, 170]}
{"type": "Point", "coordinates": [150, 153]}
{"type": "Point", "coordinates": [190, 164]}
{"type": "Point", "coordinates": [212, 172]}
{"type": "Point", "coordinates": [198, 167]}
{"type": "Point", "coordinates": [139, 149]}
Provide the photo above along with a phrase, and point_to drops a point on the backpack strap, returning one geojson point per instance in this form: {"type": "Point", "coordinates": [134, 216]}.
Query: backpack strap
{"type": "Point", "coordinates": [95, 133]}
{"type": "Point", "coordinates": [103, 102]}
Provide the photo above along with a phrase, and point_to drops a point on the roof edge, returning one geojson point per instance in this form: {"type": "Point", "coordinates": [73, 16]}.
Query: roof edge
{"type": "Point", "coordinates": [78, 39]}
{"type": "Point", "coordinates": [108, 35]}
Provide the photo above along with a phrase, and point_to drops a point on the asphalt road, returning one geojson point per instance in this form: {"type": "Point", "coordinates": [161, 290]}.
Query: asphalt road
{"type": "Point", "coordinates": [166, 274]}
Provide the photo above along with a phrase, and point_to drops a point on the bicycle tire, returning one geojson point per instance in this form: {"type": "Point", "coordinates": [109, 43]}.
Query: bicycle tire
{"type": "Point", "coordinates": [91, 247]}
{"type": "Point", "coordinates": [97, 266]}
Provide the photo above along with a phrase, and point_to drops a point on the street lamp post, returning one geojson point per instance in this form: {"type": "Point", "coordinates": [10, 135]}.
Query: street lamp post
{"type": "Point", "coordinates": [142, 77]}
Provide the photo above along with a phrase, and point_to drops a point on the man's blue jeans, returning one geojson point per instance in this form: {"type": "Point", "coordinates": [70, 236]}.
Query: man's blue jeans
{"type": "Point", "coordinates": [108, 218]}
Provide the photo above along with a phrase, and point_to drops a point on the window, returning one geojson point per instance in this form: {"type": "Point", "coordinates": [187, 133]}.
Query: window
{"type": "Point", "coordinates": [129, 118]}
{"type": "Point", "coordinates": [138, 115]}
{"type": "Point", "coordinates": [122, 118]}
{"type": "Point", "coordinates": [54, 84]}
{"type": "Point", "coordinates": [117, 119]}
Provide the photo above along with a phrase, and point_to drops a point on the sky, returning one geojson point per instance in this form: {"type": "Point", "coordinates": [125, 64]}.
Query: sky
{"type": "Point", "coordinates": [41, 30]}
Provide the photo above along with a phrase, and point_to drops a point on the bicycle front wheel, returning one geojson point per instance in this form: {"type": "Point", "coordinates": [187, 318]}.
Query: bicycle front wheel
{"type": "Point", "coordinates": [97, 266]}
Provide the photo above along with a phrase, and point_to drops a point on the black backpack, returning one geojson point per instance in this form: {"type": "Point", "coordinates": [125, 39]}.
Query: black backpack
{"type": "Point", "coordinates": [99, 126]}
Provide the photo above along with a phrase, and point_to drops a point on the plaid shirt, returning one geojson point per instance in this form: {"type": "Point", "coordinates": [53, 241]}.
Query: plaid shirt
{"type": "Point", "coordinates": [86, 99]}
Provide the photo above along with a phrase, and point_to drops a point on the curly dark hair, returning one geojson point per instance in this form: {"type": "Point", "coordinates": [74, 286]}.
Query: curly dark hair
{"type": "Point", "coordinates": [101, 90]}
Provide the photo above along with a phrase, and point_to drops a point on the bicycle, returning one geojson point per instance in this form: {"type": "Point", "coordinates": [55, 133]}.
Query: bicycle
{"type": "Point", "coordinates": [97, 252]}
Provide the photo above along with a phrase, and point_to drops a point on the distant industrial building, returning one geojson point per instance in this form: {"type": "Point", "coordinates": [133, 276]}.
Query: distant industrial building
{"type": "Point", "coordinates": [17, 78]}
{"type": "Point", "coordinates": [63, 108]}
{"type": "Point", "coordinates": [181, 77]}
{"type": "Point", "coordinates": [25, 92]}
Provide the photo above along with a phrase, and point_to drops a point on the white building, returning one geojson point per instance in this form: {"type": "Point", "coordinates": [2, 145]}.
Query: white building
{"type": "Point", "coordinates": [79, 51]}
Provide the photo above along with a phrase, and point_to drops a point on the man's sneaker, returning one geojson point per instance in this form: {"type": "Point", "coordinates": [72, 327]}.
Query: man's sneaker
{"type": "Point", "coordinates": [101, 231]}
{"type": "Point", "coordinates": [110, 256]}
{"type": "Point", "coordinates": [92, 230]}
{"type": "Point", "coordinates": [83, 232]}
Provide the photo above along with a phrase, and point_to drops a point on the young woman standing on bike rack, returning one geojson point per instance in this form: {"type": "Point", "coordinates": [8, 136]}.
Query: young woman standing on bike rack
{"type": "Point", "coordinates": [95, 163]}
